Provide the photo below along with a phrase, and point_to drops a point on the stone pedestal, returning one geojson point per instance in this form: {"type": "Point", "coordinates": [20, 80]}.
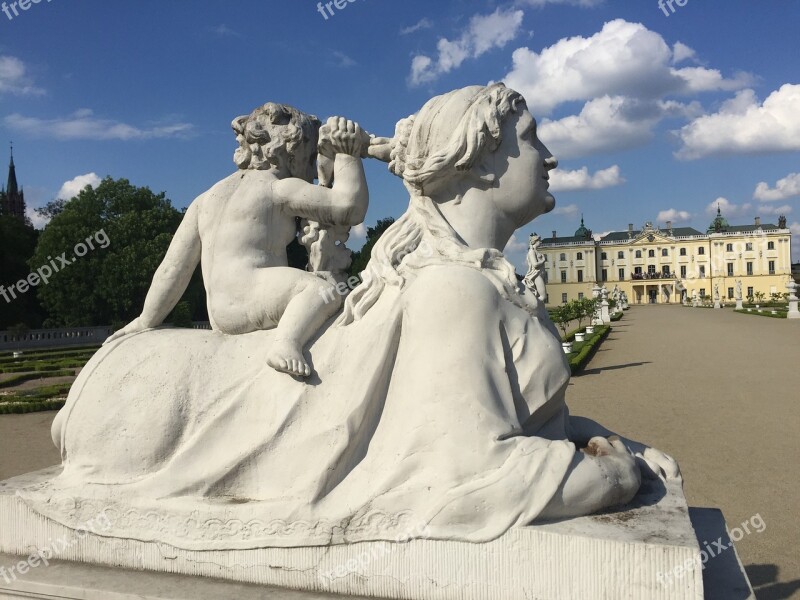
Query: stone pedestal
{"type": "Point", "coordinates": [739, 304]}
{"type": "Point", "coordinates": [794, 313]}
{"type": "Point", "coordinates": [648, 551]}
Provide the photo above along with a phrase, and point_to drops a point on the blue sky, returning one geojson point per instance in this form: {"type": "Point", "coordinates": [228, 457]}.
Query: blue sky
{"type": "Point", "coordinates": [652, 116]}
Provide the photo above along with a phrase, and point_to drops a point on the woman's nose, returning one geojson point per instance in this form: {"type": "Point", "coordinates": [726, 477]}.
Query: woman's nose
{"type": "Point", "coordinates": [550, 163]}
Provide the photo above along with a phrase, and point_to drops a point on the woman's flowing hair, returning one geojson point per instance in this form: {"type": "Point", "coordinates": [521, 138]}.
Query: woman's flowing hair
{"type": "Point", "coordinates": [422, 236]}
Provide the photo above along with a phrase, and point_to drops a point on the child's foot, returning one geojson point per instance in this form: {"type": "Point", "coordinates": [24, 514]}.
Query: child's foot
{"type": "Point", "coordinates": [287, 357]}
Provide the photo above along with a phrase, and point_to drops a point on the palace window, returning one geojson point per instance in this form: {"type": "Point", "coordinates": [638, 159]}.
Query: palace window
{"type": "Point", "coordinates": [730, 269]}
{"type": "Point", "coordinates": [683, 271]}
{"type": "Point", "coordinates": [580, 275]}
{"type": "Point", "coordinates": [665, 271]}
{"type": "Point", "coordinates": [651, 270]}
{"type": "Point", "coordinates": [651, 253]}
{"type": "Point", "coordinates": [580, 295]}
{"type": "Point", "coordinates": [702, 292]}
{"type": "Point", "coordinates": [620, 255]}
{"type": "Point", "coordinates": [749, 268]}
{"type": "Point", "coordinates": [683, 251]}
{"type": "Point", "coordinates": [580, 256]}
{"type": "Point", "coordinates": [772, 267]}
{"type": "Point", "coordinates": [562, 257]}
{"type": "Point", "coordinates": [546, 278]}
{"type": "Point", "coordinates": [637, 270]}
{"type": "Point", "coordinates": [770, 245]}
{"type": "Point", "coordinates": [701, 250]}
{"type": "Point", "coordinates": [563, 277]}
{"type": "Point", "coordinates": [730, 293]}
{"type": "Point", "coordinates": [750, 291]}
{"type": "Point", "coordinates": [748, 246]}
{"type": "Point", "coordinates": [664, 252]}
{"type": "Point", "coordinates": [622, 274]}
{"type": "Point", "coordinates": [603, 256]}
{"type": "Point", "coordinates": [564, 298]}
{"type": "Point", "coordinates": [638, 254]}
{"type": "Point", "coordinates": [604, 274]}
{"type": "Point", "coordinates": [702, 271]}
{"type": "Point", "coordinates": [728, 247]}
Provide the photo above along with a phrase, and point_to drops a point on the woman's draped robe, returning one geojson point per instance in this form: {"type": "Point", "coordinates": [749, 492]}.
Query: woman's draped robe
{"type": "Point", "coordinates": [439, 414]}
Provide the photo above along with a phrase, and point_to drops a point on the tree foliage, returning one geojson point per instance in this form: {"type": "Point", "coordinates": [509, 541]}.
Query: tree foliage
{"type": "Point", "coordinates": [361, 258]}
{"type": "Point", "coordinates": [17, 242]}
{"type": "Point", "coordinates": [109, 284]}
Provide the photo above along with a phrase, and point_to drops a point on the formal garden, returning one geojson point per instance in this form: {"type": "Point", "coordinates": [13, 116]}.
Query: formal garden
{"type": "Point", "coordinates": [581, 343]}
{"type": "Point", "coordinates": [39, 380]}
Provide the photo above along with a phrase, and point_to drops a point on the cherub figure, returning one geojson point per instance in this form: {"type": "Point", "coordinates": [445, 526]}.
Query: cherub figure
{"type": "Point", "coordinates": [239, 229]}
{"type": "Point", "coordinates": [534, 279]}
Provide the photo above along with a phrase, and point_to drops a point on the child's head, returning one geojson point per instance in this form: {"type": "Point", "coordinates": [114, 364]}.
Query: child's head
{"type": "Point", "coordinates": [280, 137]}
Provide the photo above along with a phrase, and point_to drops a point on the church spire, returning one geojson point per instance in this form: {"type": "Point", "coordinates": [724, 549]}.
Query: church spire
{"type": "Point", "coordinates": [12, 188]}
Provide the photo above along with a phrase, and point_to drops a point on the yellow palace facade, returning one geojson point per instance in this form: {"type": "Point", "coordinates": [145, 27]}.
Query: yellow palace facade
{"type": "Point", "coordinates": [668, 265]}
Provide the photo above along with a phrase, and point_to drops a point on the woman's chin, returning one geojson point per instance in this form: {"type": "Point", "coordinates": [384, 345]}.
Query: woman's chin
{"type": "Point", "coordinates": [549, 203]}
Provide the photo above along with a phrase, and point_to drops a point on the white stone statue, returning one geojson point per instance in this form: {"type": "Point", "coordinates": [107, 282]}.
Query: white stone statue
{"type": "Point", "coordinates": [534, 279]}
{"type": "Point", "coordinates": [239, 229]}
{"type": "Point", "coordinates": [436, 403]}
{"type": "Point", "coordinates": [739, 289]}
{"type": "Point", "coordinates": [716, 292]}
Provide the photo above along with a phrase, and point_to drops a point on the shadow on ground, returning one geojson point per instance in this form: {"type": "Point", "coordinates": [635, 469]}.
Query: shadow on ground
{"type": "Point", "coordinates": [613, 368]}
{"type": "Point", "coordinates": [764, 579]}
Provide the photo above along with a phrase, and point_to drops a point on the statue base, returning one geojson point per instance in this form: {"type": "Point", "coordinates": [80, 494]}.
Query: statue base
{"type": "Point", "coordinates": [649, 551]}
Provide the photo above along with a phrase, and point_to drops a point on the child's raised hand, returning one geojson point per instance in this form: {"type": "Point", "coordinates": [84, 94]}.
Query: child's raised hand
{"type": "Point", "coordinates": [343, 136]}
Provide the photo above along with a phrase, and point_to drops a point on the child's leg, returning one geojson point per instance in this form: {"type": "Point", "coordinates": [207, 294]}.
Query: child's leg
{"type": "Point", "coordinates": [314, 303]}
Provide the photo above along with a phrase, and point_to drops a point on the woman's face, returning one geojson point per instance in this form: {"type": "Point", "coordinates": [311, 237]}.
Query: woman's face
{"type": "Point", "coordinates": [521, 165]}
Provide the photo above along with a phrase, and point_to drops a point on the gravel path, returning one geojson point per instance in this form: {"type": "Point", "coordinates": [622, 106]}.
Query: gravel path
{"type": "Point", "coordinates": [719, 392]}
{"type": "Point", "coordinates": [716, 390]}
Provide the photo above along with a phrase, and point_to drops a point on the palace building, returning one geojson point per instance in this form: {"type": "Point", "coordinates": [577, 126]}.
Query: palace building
{"type": "Point", "coordinates": [667, 265]}
{"type": "Point", "coordinates": [12, 198]}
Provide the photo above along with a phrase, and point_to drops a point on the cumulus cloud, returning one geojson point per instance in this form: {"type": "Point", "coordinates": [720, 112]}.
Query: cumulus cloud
{"type": "Point", "coordinates": [570, 210]}
{"type": "Point", "coordinates": [484, 33]}
{"type": "Point", "coordinates": [788, 187]}
{"type": "Point", "coordinates": [418, 26]}
{"type": "Point", "coordinates": [743, 126]}
{"type": "Point", "coordinates": [583, 3]}
{"type": "Point", "coordinates": [728, 208]}
{"type": "Point", "coordinates": [682, 52]}
{"type": "Point", "coordinates": [83, 125]}
{"type": "Point", "coordinates": [674, 215]}
{"type": "Point", "coordinates": [14, 77]}
{"type": "Point", "coordinates": [74, 186]}
{"type": "Point", "coordinates": [581, 179]}
{"type": "Point", "coordinates": [623, 59]}
{"type": "Point", "coordinates": [774, 211]}
{"type": "Point", "coordinates": [516, 245]}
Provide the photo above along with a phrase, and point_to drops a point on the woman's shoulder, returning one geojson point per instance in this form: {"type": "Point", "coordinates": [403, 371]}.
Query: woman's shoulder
{"type": "Point", "coordinates": [447, 285]}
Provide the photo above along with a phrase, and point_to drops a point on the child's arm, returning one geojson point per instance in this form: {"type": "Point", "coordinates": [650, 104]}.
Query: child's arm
{"type": "Point", "coordinates": [171, 278]}
{"type": "Point", "coordinates": [346, 202]}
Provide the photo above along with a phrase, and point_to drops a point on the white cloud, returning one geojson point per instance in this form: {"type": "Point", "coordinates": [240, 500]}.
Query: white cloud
{"type": "Point", "coordinates": [674, 215]}
{"type": "Point", "coordinates": [14, 77]}
{"type": "Point", "coordinates": [682, 52]}
{"type": "Point", "coordinates": [83, 125]}
{"type": "Point", "coordinates": [225, 31]}
{"type": "Point", "coordinates": [774, 211]}
{"type": "Point", "coordinates": [358, 233]}
{"type": "Point", "coordinates": [580, 179]}
{"type": "Point", "coordinates": [74, 186]}
{"type": "Point", "coordinates": [515, 245]}
{"type": "Point", "coordinates": [728, 208]}
{"type": "Point", "coordinates": [743, 126]}
{"type": "Point", "coordinates": [623, 59]}
{"type": "Point", "coordinates": [795, 227]}
{"type": "Point", "coordinates": [418, 26]}
{"type": "Point", "coordinates": [343, 60]}
{"type": "Point", "coordinates": [570, 210]}
{"type": "Point", "coordinates": [788, 187]}
{"type": "Point", "coordinates": [583, 3]}
{"type": "Point", "coordinates": [599, 236]}
{"type": "Point", "coordinates": [484, 33]}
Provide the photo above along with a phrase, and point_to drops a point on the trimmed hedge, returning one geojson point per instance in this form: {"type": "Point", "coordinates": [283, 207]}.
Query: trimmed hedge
{"type": "Point", "coordinates": [780, 315]}
{"type": "Point", "coordinates": [30, 407]}
{"type": "Point", "coordinates": [585, 350]}
{"type": "Point", "coordinates": [22, 378]}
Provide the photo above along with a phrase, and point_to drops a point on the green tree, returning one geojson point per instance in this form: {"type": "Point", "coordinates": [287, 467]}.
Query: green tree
{"type": "Point", "coordinates": [17, 243]}
{"type": "Point", "coordinates": [361, 258]}
{"type": "Point", "coordinates": [109, 284]}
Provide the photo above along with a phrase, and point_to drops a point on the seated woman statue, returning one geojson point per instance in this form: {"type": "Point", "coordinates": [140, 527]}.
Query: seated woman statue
{"type": "Point", "coordinates": [436, 408]}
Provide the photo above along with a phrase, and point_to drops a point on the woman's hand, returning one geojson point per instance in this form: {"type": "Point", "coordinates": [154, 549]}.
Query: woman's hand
{"type": "Point", "coordinates": [342, 136]}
